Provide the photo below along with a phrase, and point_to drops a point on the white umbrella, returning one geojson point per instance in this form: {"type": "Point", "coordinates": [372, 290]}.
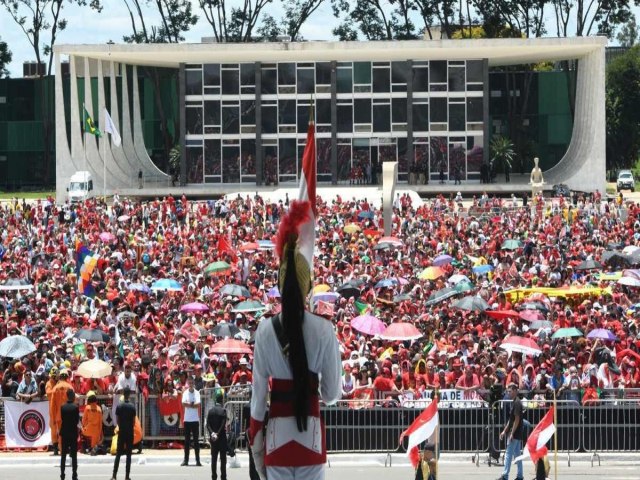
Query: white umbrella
{"type": "Point", "coordinates": [457, 278]}
{"type": "Point", "coordinates": [95, 368]}
{"type": "Point", "coordinates": [16, 346]}
{"type": "Point", "coordinates": [16, 284]}
{"type": "Point", "coordinates": [629, 281]}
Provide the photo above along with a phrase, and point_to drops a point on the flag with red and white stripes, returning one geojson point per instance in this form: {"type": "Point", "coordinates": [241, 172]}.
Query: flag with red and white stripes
{"type": "Point", "coordinates": [537, 441]}
{"type": "Point", "coordinates": [420, 430]}
{"type": "Point", "coordinates": [307, 192]}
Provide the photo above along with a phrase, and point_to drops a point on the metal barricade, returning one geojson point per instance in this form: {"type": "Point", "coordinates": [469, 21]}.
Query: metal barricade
{"type": "Point", "coordinates": [2, 431]}
{"type": "Point", "coordinates": [569, 426]}
{"type": "Point", "coordinates": [353, 429]}
{"type": "Point", "coordinates": [611, 426]}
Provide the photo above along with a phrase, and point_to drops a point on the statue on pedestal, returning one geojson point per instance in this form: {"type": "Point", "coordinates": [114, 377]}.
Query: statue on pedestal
{"type": "Point", "coordinates": [536, 180]}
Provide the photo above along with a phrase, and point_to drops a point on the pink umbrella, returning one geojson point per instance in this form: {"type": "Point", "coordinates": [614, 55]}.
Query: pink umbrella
{"type": "Point", "coordinates": [392, 240]}
{"type": "Point", "coordinates": [229, 345]}
{"type": "Point", "coordinates": [194, 307]}
{"type": "Point", "coordinates": [249, 247]}
{"type": "Point", "coordinates": [107, 237]}
{"type": "Point", "coordinates": [368, 324]}
{"type": "Point", "coordinates": [531, 315]}
{"type": "Point", "coordinates": [524, 345]}
{"type": "Point", "coordinates": [502, 314]}
{"type": "Point", "coordinates": [401, 331]}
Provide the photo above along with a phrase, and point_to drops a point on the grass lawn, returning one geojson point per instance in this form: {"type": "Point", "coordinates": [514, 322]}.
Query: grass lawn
{"type": "Point", "coordinates": [26, 195]}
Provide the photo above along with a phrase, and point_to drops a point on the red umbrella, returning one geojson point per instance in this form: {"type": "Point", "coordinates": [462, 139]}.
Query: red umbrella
{"type": "Point", "coordinates": [502, 314]}
{"type": "Point", "coordinates": [392, 240]}
{"type": "Point", "coordinates": [249, 247]}
{"type": "Point", "coordinates": [531, 315]}
{"type": "Point", "coordinates": [229, 345]}
{"type": "Point", "coordinates": [401, 331]}
{"type": "Point", "coordinates": [524, 345]}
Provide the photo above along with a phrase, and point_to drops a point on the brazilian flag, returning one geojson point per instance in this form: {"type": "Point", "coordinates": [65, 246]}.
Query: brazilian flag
{"type": "Point", "coordinates": [89, 126]}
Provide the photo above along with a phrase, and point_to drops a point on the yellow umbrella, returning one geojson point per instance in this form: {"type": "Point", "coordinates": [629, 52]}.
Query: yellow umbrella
{"type": "Point", "coordinates": [323, 287]}
{"type": "Point", "coordinates": [351, 228]}
{"type": "Point", "coordinates": [431, 273]}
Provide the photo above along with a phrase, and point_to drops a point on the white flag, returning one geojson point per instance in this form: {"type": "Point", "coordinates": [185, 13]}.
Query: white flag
{"type": "Point", "coordinates": [27, 425]}
{"type": "Point", "coordinates": [111, 128]}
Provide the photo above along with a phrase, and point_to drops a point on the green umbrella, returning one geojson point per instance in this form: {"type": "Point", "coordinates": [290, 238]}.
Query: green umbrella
{"type": "Point", "coordinates": [511, 244]}
{"type": "Point", "coordinates": [248, 306]}
{"type": "Point", "coordinates": [567, 332]}
{"type": "Point", "coordinates": [462, 287]}
{"type": "Point", "coordinates": [217, 267]}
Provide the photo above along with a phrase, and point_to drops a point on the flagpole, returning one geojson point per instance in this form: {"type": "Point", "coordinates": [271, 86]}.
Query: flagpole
{"type": "Point", "coordinates": [555, 437]}
{"type": "Point", "coordinates": [104, 164]}
{"type": "Point", "coordinates": [84, 136]}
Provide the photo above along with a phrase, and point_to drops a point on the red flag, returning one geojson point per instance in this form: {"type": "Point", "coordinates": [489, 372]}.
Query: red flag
{"type": "Point", "coordinates": [307, 192]}
{"type": "Point", "coordinates": [420, 430]}
{"type": "Point", "coordinates": [224, 246]}
{"type": "Point", "coordinates": [536, 444]}
{"type": "Point", "coordinates": [190, 331]}
{"type": "Point", "coordinates": [513, 270]}
{"type": "Point", "coordinates": [169, 406]}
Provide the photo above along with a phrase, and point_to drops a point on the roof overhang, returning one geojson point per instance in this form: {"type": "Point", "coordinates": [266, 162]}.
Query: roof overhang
{"type": "Point", "coordinates": [497, 51]}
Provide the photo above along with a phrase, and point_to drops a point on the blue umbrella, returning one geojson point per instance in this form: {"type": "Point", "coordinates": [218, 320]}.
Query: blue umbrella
{"type": "Point", "coordinates": [366, 214]}
{"type": "Point", "coordinates": [482, 269]}
{"type": "Point", "coordinates": [387, 282]}
{"type": "Point", "coordinates": [603, 334]}
{"type": "Point", "coordinates": [167, 284]}
{"type": "Point", "coordinates": [139, 287]}
{"type": "Point", "coordinates": [442, 260]}
{"type": "Point", "coordinates": [273, 292]}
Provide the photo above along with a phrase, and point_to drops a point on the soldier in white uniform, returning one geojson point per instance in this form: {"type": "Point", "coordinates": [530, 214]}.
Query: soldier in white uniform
{"type": "Point", "coordinates": [298, 352]}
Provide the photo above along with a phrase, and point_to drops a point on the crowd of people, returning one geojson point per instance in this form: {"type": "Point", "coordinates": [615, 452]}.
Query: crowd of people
{"type": "Point", "coordinates": [155, 345]}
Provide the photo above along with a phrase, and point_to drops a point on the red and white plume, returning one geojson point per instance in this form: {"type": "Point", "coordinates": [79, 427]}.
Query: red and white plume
{"type": "Point", "coordinates": [536, 444]}
{"type": "Point", "coordinates": [290, 225]}
{"type": "Point", "coordinates": [308, 193]}
{"type": "Point", "coordinates": [420, 430]}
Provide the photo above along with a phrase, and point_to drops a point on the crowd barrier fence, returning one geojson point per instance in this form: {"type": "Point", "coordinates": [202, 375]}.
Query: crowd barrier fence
{"type": "Point", "coordinates": [607, 425]}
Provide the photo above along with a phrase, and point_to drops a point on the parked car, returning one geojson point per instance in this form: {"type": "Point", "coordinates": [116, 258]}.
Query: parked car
{"type": "Point", "coordinates": [626, 181]}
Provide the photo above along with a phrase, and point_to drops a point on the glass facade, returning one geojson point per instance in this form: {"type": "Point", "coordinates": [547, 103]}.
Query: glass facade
{"type": "Point", "coordinates": [427, 115]}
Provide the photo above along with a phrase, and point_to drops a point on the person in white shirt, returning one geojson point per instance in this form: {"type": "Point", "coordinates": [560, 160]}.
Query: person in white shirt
{"type": "Point", "coordinates": [191, 404]}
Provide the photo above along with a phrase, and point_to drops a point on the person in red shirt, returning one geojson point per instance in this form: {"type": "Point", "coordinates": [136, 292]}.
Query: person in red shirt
{"type": "Point", "coordinates": [469, 382]}
{"type": "Point", "coordinates": [243, 371]}
{"type": "Point", "coordinates": [384, 382]}
{"type": "Point", "coordinates": [456, 373]}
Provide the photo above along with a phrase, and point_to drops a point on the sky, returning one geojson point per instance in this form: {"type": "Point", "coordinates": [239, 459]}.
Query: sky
{"type": "Point", "coordinates": [87, 26]}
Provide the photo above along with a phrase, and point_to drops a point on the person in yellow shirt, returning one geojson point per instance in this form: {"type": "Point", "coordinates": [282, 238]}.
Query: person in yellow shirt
{"type": "Point", "coordinates": [51, 383]}
{"type": "Point", "coordinates": [58, 398]}
{"type": "Point", "coordinates": [92, 422]}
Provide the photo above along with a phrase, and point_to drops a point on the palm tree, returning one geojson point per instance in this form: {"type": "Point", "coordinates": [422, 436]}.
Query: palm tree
{"type": "Point", "coordinates": [502, 152]}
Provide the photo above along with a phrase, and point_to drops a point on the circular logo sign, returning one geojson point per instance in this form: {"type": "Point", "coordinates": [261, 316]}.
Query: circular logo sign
{"type": "Point", "coordinates": [172, 419]}
{"type": "Point", "coordinates": [31, 425]}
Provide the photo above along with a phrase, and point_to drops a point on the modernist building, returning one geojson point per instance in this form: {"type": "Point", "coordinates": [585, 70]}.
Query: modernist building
{"type": "Point", "coordinates": [245, 108]}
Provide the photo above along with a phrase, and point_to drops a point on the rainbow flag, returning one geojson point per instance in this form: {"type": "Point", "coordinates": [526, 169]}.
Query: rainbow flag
{"type": "Point", "coordinates": [86, 262]}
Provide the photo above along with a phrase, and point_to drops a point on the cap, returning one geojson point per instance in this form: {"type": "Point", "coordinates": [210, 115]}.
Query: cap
{"type": "Point", "coordinates": [243, 361]}
{"type": "Point", "coordinates": [91, 393]}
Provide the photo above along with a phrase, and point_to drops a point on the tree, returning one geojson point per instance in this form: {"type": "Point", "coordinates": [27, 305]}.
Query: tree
{"type": "Point", "coordinates": [502, 153]}
{"type": "Point", "coordinates": [233, 24]}
{"type": "Point", "coordinates": [296, 13]}
{"type": "Point", "coordinates": [174, 18]}
{"type": "Point", "coordinates": [41, 21]}
{"type": "Point", "coordinates": [622, 107]}
{"type": "Point", "coordinates": [5, 58]}
{"type": "Point", "coordinates": [589, 17]}
{"type": "Point", "coordinates": [375, 19]}
{"type": "Point", "coordinates": [628, 35]}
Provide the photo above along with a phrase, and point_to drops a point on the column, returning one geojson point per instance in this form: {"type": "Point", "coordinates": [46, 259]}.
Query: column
{"type": "Point", "coordinates": [183, 127]}
{"type": "Point", "coordinates": [334, 122]}
{"type": "Point", "coordinates": [259, 159]}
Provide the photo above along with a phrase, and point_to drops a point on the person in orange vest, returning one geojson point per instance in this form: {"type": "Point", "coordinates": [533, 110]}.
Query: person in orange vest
{"type": "Point", "coordinates": [92, 422]}
{"type": "Point", "coordinates": [58, 398]}
{"type": "Point", "coordinates": [51, 383]}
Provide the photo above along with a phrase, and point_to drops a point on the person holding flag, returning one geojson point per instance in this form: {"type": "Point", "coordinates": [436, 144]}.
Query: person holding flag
{"type": "Point", "coordinates": [423, 429]}
{"type": "Point", "coordinates": [536, 444]}
{"type": "Point", "coordinates": [297, 352]}
{"type": "Point", "coordinates": [513, 431]}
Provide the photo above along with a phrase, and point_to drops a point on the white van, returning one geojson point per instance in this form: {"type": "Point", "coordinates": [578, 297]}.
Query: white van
{"type": "Point", "coordinates": [80, 186]}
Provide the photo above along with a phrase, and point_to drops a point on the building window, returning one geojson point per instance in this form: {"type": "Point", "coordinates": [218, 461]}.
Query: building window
{"type": "Point", "coordinates": [399, 110]}
{"type": "Point", "coordinates": [248, 160]}
{"type": "Point", "coordinates": [287, 112]}
{"type": "Point", "coordinates": [269, 119]}
{"type": "Point", "coordinates": [212, 112]}
{"type": "Point", "coordinates": [362, 110]}
{"type": "Point", "coordinates": [286, 74]}
{"type": "Point", "coordinates": [194, 165]}
{"type": "Point", "coordinates": [421, 79]}
{"type": "Point", "coordinates": [344, 80]}
{"type": "Point", "coordinates": [345, 118]}
{"type": "Point", "coordinates": [420, 112]}
{"type": "Point", "coordinates": [230, 164]}
{"type": "Point", "coordinates": [323, 73]}
{"type": "Point", "coordinates": [230, 82]}
{"type": "Point", "coordinates": [212, 159]}
{"type": "Point", "coordinates": [456, 79]}
{"type": "Point", "coordinates": [381, 117]}
{"type": "Point", "coordinates": [269, 81]}
{"type": "Point", "coordinates": [456, 117]}
{"type": "Point", "coordinates": [438, 112]}
{"type": "Point", "coordinates": [230, 118]}
{"type": "Point", "coordinates": [306, 81]}
{"type": "Point", "coordinates": [362, 73]}
{"type": "Point", "coordinates": [475, 71]}
{"type": "Point", "coordinates": [193, 82]}
{"type": "Point", "coordinates": [323, 112]}
{"type": "Point", "coordinates": [287, 162]}
{"type": "Point", "coordinates": [474, 109]}
{"type": "Point", "coordinates": [381, 80]}
{"type": "Point", "coordinates": [193, 121]}
{"type": "Point", "coordinates": [211, 74]}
